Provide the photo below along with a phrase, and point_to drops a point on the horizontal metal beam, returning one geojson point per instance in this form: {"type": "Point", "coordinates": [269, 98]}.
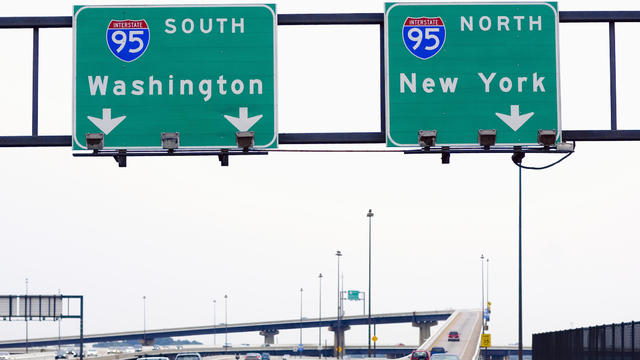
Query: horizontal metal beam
{"type": "Point", "coordinates": [601, 135]}
{"type": "Point", "coordinates": [599, 16]}
{"type": "Point", "coordinates": [332, 138]}
{"type": "Point", "coordinates": [35, 141]}
{"type": "Point", "coordinates": [328, 19]}
{"type": "Point", "coordinates": [331, 19]}
{"type": "Point", "coordinates": [23, 22]}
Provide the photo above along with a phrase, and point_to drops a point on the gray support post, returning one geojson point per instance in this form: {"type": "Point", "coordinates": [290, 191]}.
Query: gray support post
{"type": "Point", "coordinates": [269, 335]}
{"type": "Point", "coordinates": [425, 329]}
{"type": "Point", "coordinates": [338, 339]}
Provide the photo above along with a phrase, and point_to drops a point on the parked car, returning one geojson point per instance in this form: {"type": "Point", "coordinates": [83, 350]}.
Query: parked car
{"type": "Point", "coordinates": [454, 336]}
{"type": "Point", "coordinates": [438, 350]}
{"type": "Point", "coordinates": [188, 356]}
{"type": "Point", "coordinates": [420, 355]}
{"type": "Point", "coordinates": [445, 357]}
{"type": "Point", "coordinates": [156, 347]}
{"type": "Point", "coordinates": [154, 358]}
{"type": "Point", "coordinates": [253, 356]}
{"type": "Point", "coordinates": [4, 355]}
{"type": "Point", "coordinates": [59, 355]}
{"type": "Point", "coordinates": [266, 356]}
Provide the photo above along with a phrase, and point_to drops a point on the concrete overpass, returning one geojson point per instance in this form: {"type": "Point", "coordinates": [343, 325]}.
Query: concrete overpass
{"type": "Point", "coordinates": [421, 319]}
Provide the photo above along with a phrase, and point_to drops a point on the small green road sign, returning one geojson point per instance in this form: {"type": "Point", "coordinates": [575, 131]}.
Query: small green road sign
{"type": "Point", "coordinates": [458, 68]}
{"type": "Point", "coordinates": [353, 295]}
{"type": "Point", "coordinates": [204, 72]}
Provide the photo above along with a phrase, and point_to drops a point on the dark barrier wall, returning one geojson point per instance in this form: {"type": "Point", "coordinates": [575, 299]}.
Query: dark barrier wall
{"type": "Point", "coordinates": [606, 342]}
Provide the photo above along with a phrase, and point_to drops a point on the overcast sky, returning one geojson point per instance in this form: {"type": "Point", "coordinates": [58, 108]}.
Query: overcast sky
{"type": "Point", "coordinates": [185, 231]}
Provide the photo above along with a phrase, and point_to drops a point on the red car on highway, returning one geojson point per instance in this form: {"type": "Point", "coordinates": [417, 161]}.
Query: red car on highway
{"type": "Point", "coordinates": [420, 355]}
{"type": "Point", "coordinates": [454, 336]}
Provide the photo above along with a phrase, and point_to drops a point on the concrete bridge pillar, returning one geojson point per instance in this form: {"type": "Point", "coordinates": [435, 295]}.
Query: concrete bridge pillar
{"type": "Point", "coordinates": [425, 329]}
{"type": "Point", "coordinates": [147, 342]}
{"type": "Point", "coordinates": [269, 335]}
{"type": "Point", "coordinates": [338, 339]}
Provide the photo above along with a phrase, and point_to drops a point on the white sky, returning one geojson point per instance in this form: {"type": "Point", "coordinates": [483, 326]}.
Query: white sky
{"type": "Point", "coordinates": [184, 231]}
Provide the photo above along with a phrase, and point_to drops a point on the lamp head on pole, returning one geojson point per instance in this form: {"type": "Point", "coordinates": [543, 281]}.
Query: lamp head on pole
{"type": "Point", "coordinates": [369, 214]}
{"type": "Point", "coordinates": [482, 257]}
{"type": "Point", "coordinates": [320, 276]}
{"type": "Point", "coordinates": [338, 253]}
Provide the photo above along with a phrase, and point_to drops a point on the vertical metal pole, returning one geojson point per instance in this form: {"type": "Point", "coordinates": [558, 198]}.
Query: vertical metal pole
{"type": "Point", "coordinates": [612, 75]}
{"type": "Point", "coordinates": [27, 312]}
{"type": "Point", "coordinates": [369, 215]}
{"type": "Point", "coordinates": [338, 337]}
{"type": "Point", "coordinates": [225, 323]}
{"type": "Point", "coordinates": [59, 318]}
{"type": "Point", "coordinates": [300, 320]}
{"type": "Point", "coordinates": [144, 320]}
{"type": "Point", "coordinates": [383, 104]}
{"type": "Point", "coordinates": [320, 317]}
{"type": "Point", "coordinates": [81, 327]}
{"type": "Point", "coordinates": [519, 263]}
{"type": "Point", "coordinates": [34, 79]}
{"type": "Point", "coordinates": [482, 301]}
{"type": "Point", "coordinates": [214, 322]}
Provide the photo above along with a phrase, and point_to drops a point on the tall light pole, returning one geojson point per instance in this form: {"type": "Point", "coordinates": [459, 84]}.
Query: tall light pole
{"type": "Point", "coordinates": [487, 283]}
{"type": "Point", "coordinates": [320, 316]}
{"type": "Point", "coordinates": [338, 330]}
{"type": "Point", "coordinates": [214, 322]}
{"type": "Point", "coordinates": [225, 323]}
{"type": "Point", "coordinates": [300, 317]}
{"type": "Point", "coordinates": [27, 311]}
{"type": "Point", "coordinates": [144, 316]}
{"type": "Point", "coordinates": [59, 319]}
{"type": "Point", "coordinates": [369, 215]}
{"type": "Point", "coordinates": [482, 307]}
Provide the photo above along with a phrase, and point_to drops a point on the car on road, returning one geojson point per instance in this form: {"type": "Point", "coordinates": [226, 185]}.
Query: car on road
{"type": "Point", "coordinates": [153, 358]}
{"type": "Point", "coordinates": [4, 355]}
{"type": "Point", "coordinates": [92, 353]}
{"type": "Point", "coordinates": [188, 356]}
{"type": "Point", "coordinates": [420, 355]}
{"type": "Point", "coordinates": [438, 350]}
{"type": "Point", "coordinates": [445, 357]}
{"type": "Point", "coordinates": [253, 356]}
{"type": "Point", "coordinates": [156, 347]}
{"type": "Point", "coordinates": [266, 356]}
{"type": "Point", "coordinates": [454, 336]}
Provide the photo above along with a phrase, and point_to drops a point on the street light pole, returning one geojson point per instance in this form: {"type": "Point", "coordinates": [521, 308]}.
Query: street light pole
{"type": "Point", "coordinates": [59, 319]}
{"type": "Point", "coordinates": [225, 323]}
{"type": "Point", "coordinates": [214, 322]}
{"type": "Point", "coordinates": [482, 307]}
{"type": "Point", "coordinates": [27, 311]}
{"type": "Point", "coordinates": [300, 317]}
{"type": "Point", "coordinates": [488, 283]}
{"type": "Point", "coordinates": [338, 338]}
{"type": "Point", "coordinates": [320, 317]}
{"type": "Point", "coordinates": [369, 215]}
{"type": "Point", "coordinates": [144, 316]}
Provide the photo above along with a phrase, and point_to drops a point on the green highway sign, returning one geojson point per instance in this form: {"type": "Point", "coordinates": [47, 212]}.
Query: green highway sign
{"type": "Point", "coordinates": [353, 295]}
{"type": "Point", "coordinates": [204, 72]}
{"type": "Point", "coordinates": [461, 67]}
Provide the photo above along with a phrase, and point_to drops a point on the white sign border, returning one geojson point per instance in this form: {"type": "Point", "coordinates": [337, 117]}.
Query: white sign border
{"type": "Point", "coordinates": [159, 147]}
{"type": "Point", "coordinates": [387, 79]}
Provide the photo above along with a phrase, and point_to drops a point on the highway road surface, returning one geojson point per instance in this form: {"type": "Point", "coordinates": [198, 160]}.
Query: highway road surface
{"type": "Point", "coordinates": [469, 325]}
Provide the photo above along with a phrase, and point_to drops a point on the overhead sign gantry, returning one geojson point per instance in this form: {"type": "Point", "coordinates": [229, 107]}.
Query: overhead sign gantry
{"type": "Point", "coordinates": [455, 72]}
{"type": "Point", "coordinates": [193, 77]}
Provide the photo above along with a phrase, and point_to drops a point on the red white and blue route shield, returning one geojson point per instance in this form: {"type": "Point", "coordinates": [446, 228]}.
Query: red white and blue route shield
{"type": "Point", "coordinates": [423, 37]}
{"type": "Point", "coordinates": [128, 39]}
